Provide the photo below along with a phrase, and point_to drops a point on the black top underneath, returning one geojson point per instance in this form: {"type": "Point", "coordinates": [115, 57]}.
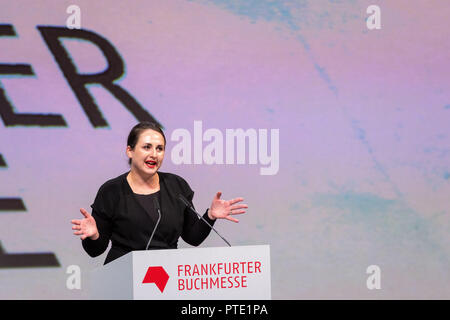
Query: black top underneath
{"type": "Point", "coordinates": [128, 219]}
{"type": "Point", "coordinates": [147, 202]}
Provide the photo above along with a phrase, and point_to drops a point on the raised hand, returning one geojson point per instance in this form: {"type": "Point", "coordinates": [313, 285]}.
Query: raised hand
{"type": "Point", "coordinates": [85, 228]}
{"type": "Point", "coordinates": [224, 209]}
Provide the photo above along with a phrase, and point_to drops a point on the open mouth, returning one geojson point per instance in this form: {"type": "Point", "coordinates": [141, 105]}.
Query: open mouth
{"type": "Point", "coordinates": [150, 164]}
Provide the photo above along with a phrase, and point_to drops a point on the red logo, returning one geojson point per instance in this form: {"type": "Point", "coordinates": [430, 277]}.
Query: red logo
{"type": "Point", "coordinates": [158, 276]}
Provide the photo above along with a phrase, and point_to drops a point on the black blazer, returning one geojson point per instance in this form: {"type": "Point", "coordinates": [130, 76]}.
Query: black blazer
{"type": "Point", "coordinates": [122, 219]}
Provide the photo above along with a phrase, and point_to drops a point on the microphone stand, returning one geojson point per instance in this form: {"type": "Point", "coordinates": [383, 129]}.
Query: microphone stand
{"type": "Point", "coordinates": [186, 202]}
{"type": "Point", "coordinates": [156, 204]}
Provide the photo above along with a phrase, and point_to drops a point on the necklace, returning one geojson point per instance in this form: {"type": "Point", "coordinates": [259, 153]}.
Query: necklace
{"type": "Point", "coordinates": [146, 189]}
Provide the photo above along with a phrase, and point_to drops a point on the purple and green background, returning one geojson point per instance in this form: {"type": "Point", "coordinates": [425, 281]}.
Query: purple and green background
{"type": "Point", "coordinates": [363, 116]}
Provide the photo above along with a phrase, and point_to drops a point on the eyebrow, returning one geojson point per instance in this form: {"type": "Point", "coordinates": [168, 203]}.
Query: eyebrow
{"type": "Point", "coordinates": [148, 143]}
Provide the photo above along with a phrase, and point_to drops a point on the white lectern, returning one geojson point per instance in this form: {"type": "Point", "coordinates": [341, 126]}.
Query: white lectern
{"type": "Point", "coordinates": [235, 273]}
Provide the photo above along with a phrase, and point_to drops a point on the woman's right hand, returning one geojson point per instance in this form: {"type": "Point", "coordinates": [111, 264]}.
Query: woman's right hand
{"type": "Point", "coordinates": [85, 228]}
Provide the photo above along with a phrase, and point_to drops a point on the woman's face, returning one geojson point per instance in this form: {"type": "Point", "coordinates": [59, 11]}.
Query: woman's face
{"type": "Point", "coordinates": [148, 154]}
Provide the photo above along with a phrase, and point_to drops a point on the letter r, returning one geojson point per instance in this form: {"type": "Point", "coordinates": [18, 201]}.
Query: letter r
{"type": "Point", "coordinates": [78, 82]}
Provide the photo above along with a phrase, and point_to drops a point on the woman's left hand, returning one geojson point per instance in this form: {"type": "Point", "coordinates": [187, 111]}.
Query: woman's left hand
{"type": "Point", "coordinates": [224, 209]}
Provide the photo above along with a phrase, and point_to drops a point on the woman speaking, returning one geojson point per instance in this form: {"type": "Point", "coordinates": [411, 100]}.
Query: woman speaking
{"type": "Point", "coordinates": [125, 208]}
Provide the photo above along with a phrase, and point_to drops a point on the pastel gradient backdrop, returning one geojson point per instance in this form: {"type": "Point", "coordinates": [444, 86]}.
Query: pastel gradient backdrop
{"type": "Point", "coordinates": [363, 116]}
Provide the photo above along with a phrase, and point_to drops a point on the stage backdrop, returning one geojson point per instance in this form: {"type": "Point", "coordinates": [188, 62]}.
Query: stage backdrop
{"type": "Point", "coordinates": [331, 119]}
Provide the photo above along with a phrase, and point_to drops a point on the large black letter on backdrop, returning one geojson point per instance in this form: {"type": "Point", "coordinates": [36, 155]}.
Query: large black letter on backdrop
{"type": "Point", "coordinates": [106, 78]}
{"type": "Point", "coordinates": [9, 117]}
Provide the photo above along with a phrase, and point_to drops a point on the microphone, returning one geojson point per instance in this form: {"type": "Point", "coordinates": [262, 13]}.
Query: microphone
{"type": "Point", "coordinates": [156, 205]}
{"type": "Point", "coordinates": [186, 202]}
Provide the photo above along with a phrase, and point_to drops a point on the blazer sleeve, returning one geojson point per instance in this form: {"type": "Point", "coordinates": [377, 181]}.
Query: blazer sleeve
{"type": "Point", "coordinates": [102, 213]}
{"type": "Point", "coordinates": [195, 230]}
